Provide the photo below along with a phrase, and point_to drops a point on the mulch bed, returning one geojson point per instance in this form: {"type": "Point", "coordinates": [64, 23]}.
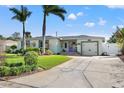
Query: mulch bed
{"type": "Point", "coordinates": [21, 75]}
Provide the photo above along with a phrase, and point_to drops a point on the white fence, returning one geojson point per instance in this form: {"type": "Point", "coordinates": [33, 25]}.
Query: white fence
{"type": "Point", "coordinates": [111, 48]}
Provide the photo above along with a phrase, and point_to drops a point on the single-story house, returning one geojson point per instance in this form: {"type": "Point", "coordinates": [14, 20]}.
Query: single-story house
{"type": "Point", "coordinates": [82, 44]}
{"type": "Point", "coordinates": [5, 44]}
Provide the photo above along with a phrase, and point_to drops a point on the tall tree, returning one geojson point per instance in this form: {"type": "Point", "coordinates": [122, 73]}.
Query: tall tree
{"type": "Point", "coordinates": [28, 35]}
{"type": "Point", "coordinates": [112, 39]}
{"type": "Point", "coordinates": [16, 35]}
{"type": "Point", "coordinates": [21, 15]}
{"type": "Point", "coordinates": [2, 37]}
{"type": "Point", "coordinates": [119, 35]}
{"type": "Point", "coordinates": [50, 9]}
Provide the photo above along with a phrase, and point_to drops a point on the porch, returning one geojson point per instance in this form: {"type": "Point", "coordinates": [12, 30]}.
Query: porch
{"type": "Point", "coordinates": [69, 47]}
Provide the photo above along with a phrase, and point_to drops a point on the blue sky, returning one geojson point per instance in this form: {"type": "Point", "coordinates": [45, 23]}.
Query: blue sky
{"type": "Point", "coordinates": [80, 20]}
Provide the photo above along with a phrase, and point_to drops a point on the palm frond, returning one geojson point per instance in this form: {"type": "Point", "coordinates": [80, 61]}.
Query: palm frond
{"type": "Point", "coordinates": [61, 15]}
{"type": "Point", "coordinates": [21, 14]}
{"type": "Point", "coordinates": [55, 10]}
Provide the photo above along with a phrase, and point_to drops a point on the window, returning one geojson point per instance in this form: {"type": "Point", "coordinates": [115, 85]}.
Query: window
{"type": "Point", "coordinates": [65, 45]}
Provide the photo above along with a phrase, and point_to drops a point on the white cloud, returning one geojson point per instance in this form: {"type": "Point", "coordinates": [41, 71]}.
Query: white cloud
{"type": "Point", "coordinates": [89, 24]}
{"type": "Point", "coordinates": [72, 16]}
{"type": "Point", "coordinates": [116, 6]}
{"type": "Point", "coordinates": [102, 21]}
{"type": "Point", "coordinates": [80, 14]}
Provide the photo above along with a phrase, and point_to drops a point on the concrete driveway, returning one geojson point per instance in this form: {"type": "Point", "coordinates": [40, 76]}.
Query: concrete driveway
{"type": "Point", "coordinates": [80, 72]}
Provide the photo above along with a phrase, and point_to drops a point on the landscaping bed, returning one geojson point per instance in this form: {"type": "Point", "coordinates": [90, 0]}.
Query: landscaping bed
{"type": "Point", "coordinates": [15, 65]}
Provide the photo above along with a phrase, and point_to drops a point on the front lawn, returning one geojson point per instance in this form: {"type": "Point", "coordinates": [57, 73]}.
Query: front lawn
{"type": "Point", "coordinates": [45, 62]}
{"type": "Point", "coordinates": [48, 62]}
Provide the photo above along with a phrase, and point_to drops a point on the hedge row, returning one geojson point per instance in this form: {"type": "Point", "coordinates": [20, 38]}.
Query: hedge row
{"type": "Point", "coordinates": [13, 71]}
{"type": "Point", "coordinates": [30, 64]}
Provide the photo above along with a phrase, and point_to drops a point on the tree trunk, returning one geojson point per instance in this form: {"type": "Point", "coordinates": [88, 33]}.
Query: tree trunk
{"type": "Point", "coordinates": [24, 40]}
{"type": "Point", "coordinates": [43, 34]}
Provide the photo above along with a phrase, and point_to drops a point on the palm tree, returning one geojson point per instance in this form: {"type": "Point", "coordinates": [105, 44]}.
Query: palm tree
{"type": "Point", "coordinates": [119, 35]}
{"type": "Point", "coordinates": [21, 15]}
{"type": "Point", "coordinates": [50, 9]}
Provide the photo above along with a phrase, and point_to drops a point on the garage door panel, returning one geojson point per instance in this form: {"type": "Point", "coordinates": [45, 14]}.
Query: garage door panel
{"type": "Point", "coordinates": [89, 48]}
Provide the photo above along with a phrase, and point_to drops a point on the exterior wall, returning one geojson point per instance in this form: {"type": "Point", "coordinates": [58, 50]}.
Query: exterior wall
{"type": "Point", "coordinates": [19, 45]}
{"type": "Point", "coordinates": [55, 45]}
{"type": "Point", "coordinates": [36, 43]}
{"type": "Point", "coordinates": [99, 45]}
{"type": "Point", "coordinates": [31, 44]}
{"type": "Point", "coordinates": [111, 48]}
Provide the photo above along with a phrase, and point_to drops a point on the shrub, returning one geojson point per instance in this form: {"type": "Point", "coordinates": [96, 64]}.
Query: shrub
{"type": "Point", "coordinates": [28, 68]}
{"type": "Point", "coordinates": [4, 71]}
{"type": "Point", "coordinates": [2, 59]}
{"type": "Point", "coordinates": [8, 51]}
{"type": "Point", "coordinates": [13, 47]}
{"type": "Point", "coordinates": [13, 64]}
{"type": "Point", "coordinates": [21, 51]}
{"type": "Point", "coordinates": [32, 49]}
{"type": "Point", "coordinates": [31, 58]}
{"type": "Point", "coordinates": [22, 68]}
{"type": "Point", "coordinates": [15, 71]}
{"type": "Point", "coordinates": [34, 67]}
{"type": "Point", "coordinates": [49, 52]}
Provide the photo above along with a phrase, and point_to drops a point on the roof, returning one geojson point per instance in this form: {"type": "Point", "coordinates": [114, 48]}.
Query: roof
{"type": "Point", "coordinates": [3, 42]}
{"type": "Point", "coordinates": [68, 37]}
{"type": "Point", "coordinates": [40, 38]}
{"type": "Point", "coordinates": [81, 37]}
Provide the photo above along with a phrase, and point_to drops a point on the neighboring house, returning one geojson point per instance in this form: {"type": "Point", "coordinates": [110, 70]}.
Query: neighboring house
{"type": "Point", "coordinates": [5, 44]}
{"type": "Point", "coordinates": [82, 44]}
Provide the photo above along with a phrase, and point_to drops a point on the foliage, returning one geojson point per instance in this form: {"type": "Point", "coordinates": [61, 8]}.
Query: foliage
{"type": "Point", "coordinates": [16, 35]}
{"type": "Point", "coordinates": [112, 39]}
{"type": "Point", "coordinates": [45, 62]}
{"type": "Point", "coordinates": [49, 52]}
{"type": "Point", "coordinates": [21, 15]}
{"type": "Point", "coordinates": [13, 47]}
{"type": "Point", "coordinates": [32, 49]}
{"type": "Point", "coordinates": [2, 37]}
{"type": "Point", "coordinates": [4, 71]}
{"type": "Point", "coordinates": [16, 64]}
{"type": "Point", "coordinates": [119, 35]}
{"type": "Point", "coordinates": [51, 9]}
{"type": "Point", "coordinates": [2, 59]}
{"type": "Point", "coordinates": [31, 58]}
{"type": "Point", "coordinates": [28, 34]}
{"type": "Point", "coordinates": [15, 71]}
{"type": "Point", "coordinates": [8, 51]}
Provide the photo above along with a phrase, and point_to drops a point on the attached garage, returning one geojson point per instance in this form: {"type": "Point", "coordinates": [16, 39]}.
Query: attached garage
{"type": "Point", "coordinates": [89, 48]}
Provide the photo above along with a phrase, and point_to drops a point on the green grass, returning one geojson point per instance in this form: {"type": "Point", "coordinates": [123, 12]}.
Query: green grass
{"type": "Point", "coordinates": [48, 62]}
{"type": "Point", "coordinates": [45, 62]}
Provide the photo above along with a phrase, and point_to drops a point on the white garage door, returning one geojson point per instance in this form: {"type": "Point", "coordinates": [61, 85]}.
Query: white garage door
{"type": "Point", "coordinates": [89, 48]}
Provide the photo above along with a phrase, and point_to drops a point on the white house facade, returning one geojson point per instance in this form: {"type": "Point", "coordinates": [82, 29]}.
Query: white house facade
{"type": "Point", "coordinates": [82, 44]}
